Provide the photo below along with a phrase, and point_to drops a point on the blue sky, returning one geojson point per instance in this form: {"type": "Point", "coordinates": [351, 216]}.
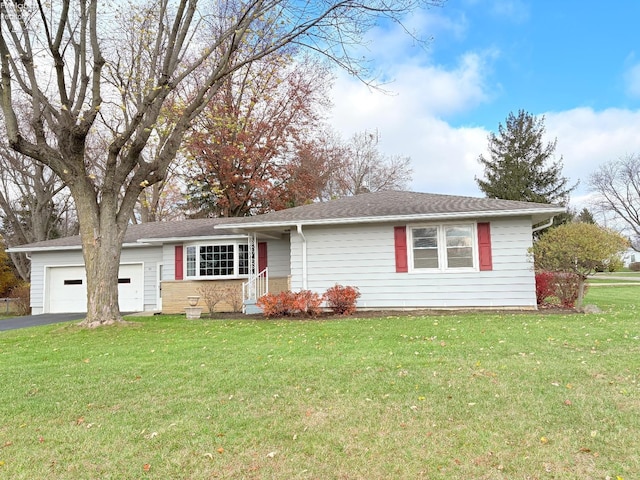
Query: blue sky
{"type": "Point", "coordinates": [577, 63]}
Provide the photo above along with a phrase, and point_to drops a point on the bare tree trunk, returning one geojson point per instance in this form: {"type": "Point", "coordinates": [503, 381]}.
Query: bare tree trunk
{"type": "Point", "coordinates": [102, 261]}
{"type": "Point", "coordinates": [580, 299]}
{"type": "Point", "coordinates": [102, 232]}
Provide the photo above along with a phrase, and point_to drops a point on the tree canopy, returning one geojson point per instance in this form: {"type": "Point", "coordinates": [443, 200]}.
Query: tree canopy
{"type": "Point", "coordinates": [521, 166]}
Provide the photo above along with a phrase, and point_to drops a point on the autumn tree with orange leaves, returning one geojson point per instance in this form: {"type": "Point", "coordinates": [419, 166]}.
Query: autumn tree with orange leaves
{"type": "Point", "coordinates": [240, 145]}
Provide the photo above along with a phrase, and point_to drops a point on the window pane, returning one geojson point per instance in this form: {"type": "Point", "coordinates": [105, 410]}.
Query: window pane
{"type": "Point", "coordinates": [243, 259]}
{"type": "Point", "coordinates": [191, 261]}
{"type": "Point", "coordinates": [216, 260]}
{"type": "Point", "coordinates": [206, 260]}
{"type": "Point", "coordinates": [459, 247]}
{"type": "Point", "coordinates": [223, 260]}
{"type": "Point", "coordinates": [425, 247]}
{"type": "Point", "coordinates": [425, 258]}
{"type": "Point", "coordinates": [420, 234]}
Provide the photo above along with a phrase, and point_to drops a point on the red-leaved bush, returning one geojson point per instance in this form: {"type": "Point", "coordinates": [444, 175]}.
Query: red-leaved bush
{"type": "Point", "coordinates": [308, 302]}
{"type": "Point", "coordinates": [287, 303]}
{"type": "Point", "coordinates": [563, 286]}
{"type": "Point", "coordinates": [276, 304]}
{"type": "Point", "coordinates": [342, 299]}
{"type": "Point", "coordinates": [568, 288]}
{"type": "Point", "coordinates": [544, 286]}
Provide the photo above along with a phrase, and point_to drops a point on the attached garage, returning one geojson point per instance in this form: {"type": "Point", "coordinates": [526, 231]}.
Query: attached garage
{"type": "Point", "coordinates": [66, 289]}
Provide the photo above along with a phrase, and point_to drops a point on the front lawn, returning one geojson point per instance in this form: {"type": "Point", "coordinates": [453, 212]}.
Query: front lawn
{"type": "Point", "coordinates": [474, 395]}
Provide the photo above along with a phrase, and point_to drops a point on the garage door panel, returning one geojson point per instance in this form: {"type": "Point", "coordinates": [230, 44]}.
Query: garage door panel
{"type": "Point", "coordinates": [67, 289]}
{"type": "Point", "coordinates": [131, 288]}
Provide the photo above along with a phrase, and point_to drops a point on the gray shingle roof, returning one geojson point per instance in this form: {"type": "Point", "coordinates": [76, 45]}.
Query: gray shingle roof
{"type": "Point", "coordinates": [378, 206]}
{"type": "Point", "coordinates": [202, 227]}
{"type": "Point", "coordinates": [396, 204]}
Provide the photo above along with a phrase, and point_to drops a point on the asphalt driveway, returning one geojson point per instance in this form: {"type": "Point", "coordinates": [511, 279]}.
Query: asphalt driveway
{"type": "Point", "coordinates": [37, 320]}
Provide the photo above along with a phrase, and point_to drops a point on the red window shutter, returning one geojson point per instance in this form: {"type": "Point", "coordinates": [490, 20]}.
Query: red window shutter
{"type": "Point", "coordinates": [262, 256]}
{"type": "Point", "coordinates": [179, 274]}
{"type": "Point", "coordinates": [484, 246]}
{"type": "Point", "coordinates": [400, 236]}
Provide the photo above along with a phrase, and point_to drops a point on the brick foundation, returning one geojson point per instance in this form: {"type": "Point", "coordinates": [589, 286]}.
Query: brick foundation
{"type": "Point", "coordinates": [175, 293]}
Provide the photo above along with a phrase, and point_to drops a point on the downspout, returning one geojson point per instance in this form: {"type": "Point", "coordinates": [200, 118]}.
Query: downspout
{"type": "Point", "coordinates": [304, 256]}
{"type": "Point", "coordinates": [542, 227]}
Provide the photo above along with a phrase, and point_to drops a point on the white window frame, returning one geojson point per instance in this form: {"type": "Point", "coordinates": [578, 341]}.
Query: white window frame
{"type": "Point", "coordinates": [197, 246]}
{"type": "Point", "coordinates": [442, 247]}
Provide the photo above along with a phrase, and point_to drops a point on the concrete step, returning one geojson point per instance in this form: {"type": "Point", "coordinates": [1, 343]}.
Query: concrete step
{"type": "Point", "coordinates": [250, 307]}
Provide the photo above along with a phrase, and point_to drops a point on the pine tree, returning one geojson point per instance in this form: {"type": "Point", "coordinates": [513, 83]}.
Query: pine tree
{"type": "Point", "coordinates": [521, 166]}
{"type": "Point", "coordinates": [585, 216]}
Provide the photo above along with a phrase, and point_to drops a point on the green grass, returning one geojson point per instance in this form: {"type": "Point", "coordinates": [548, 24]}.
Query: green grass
{"type": "Point", "coordinates": [473, 396]}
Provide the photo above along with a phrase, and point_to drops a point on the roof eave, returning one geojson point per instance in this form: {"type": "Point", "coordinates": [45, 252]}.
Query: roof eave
{"type": "Point", "coordinates": [192, 238]}
{"type": "Point", "coordinates": [60, 248]}
{"type": "Point", "coordinates": [537, 214]}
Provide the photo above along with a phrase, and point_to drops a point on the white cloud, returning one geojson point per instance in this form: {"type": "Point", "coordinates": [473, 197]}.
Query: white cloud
{"type": "Point", "coordinates": [632, 81]}
{"type": "Point", "coordinates": [410, 120]}
{"type": "Point", "coordinates": [588, 139]}
{"type": "Point", "coordinates": [416, 91]}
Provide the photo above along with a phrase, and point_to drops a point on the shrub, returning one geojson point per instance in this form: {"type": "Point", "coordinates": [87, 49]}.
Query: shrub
{"type": "Point", "coordinates": [22, 294]}
{"type": "Point", "coordinates": [634, 266]}
{"type": "Point", "coordinates": [308, 303]}
{"type": "Point", "coordinates": [557, 285]}
{"type": "Point", "coordinates": [213, 293]}
{"type": "Point", "coordinates": [544, 286]}
{"type": "Point", "coordinates": [276, 304]}
{"type": "Point", "coordinates": [567, 288]}
{"type": "Point", "coordinates": [285, 304]}
{"type": "Point", "coordinates": [342, 300]}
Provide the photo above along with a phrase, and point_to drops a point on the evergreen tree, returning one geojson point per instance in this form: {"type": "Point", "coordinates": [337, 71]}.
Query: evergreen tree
{"type": "Point", "coordinates": [585, 216]}
{"type": "Point", "coordinates": [521, 166]}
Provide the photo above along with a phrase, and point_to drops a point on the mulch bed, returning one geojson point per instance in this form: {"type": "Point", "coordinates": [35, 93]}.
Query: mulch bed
{"type": "Point", "coordinates": [542, 310]}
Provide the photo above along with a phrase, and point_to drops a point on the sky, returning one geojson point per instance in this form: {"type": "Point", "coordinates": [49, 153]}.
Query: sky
{"type": "Point", "coordinates": [575, 63]}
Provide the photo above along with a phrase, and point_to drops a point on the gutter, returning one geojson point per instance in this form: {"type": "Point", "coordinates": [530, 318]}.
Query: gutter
{"type": "Point", "coordinates": [542, 227]}
{"type": "Point", "coordinates": [304, 256]}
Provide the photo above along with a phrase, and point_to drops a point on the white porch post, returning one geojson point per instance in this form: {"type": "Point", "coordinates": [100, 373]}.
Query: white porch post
{"type": "Point", "coordinates": [253, 273]}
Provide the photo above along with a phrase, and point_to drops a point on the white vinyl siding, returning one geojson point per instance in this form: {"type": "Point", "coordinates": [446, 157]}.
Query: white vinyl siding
{"type": "Point", "coordinates": [363, 256]}
{"type": "Point", "coordinates": [278, 257]}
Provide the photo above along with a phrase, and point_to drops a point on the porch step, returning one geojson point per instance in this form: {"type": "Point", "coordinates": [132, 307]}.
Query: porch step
{"type": "Point", "coordinates": [250, 307]}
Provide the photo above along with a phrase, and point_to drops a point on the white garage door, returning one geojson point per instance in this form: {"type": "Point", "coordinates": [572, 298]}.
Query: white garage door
{"type": "Point", "coordinates": [67, 289]}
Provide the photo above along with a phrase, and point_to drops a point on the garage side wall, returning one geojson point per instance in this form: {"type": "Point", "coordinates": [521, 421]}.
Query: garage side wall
{"type": "Point", "coordinates": [41, 261]}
